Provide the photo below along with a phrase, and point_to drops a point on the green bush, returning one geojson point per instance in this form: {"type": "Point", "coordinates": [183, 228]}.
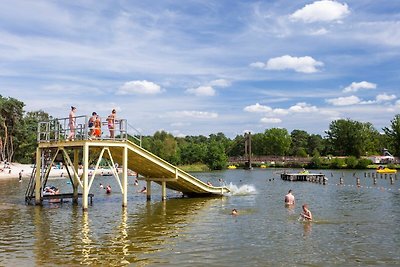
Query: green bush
{"type": "Point", "coordinates": [338, 163]}
{"type": "Point", "coordinates": [363, 163]}
{"type": "Point", "coordinates": [351, 162]}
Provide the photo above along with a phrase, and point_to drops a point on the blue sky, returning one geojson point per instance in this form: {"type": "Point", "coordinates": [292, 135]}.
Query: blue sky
{"type": "Point", "coordinates": [201, 67]}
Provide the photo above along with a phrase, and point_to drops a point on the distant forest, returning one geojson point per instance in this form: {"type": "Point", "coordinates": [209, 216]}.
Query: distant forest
{"type": "Point", "coordinates": [345, 137]}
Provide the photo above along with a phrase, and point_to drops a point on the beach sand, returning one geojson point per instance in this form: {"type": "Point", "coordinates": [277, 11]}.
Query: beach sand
{"type": "Point", "coordinates": [16, 168]}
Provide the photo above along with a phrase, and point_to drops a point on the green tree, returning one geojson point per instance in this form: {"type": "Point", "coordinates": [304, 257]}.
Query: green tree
{"type": "Point", "coordinates": [236, 146]}
{"type": "Point", "coordinates": [298, 145]}
{"type": "Point", "coordinates": [164, 145]}
{"type": "Point", "coordinates": [315, 143]}
{"type": "Point", "coordinates": [216, 158]}
{"type": "Point", "coordinates": [27, 137]}
{"type": "Point", "coordinates": [352, 138]}
{"type": "Point", "coordinates": [277, 142]}
{"type": "Point", "coordinates": [393, 135]}
{"type": "Point", "coordinates": [258, 143]}
{"type": "Point", "coordinates": [11, 115]}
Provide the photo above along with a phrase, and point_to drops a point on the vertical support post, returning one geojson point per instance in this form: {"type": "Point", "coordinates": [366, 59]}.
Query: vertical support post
{"type": "Point", "coordinates": [37, 176]}
{"type": "Point", "coordinates": [125, 177]}
{"type": "Point", "coordinates": [85, 191]}
{"type": "Point", "coordinates": [148, 190]}
{"type": "Point", "coordinates": [76, 183]}
{"type": "Point", "coordinates": [163, 190]}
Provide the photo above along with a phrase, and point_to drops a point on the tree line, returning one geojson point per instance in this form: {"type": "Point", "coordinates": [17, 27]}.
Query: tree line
{"type": "Point", "coordinates": [345, 137]}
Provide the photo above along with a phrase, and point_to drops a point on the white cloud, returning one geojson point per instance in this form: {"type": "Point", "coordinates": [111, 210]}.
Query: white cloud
{"type": "Point", "coordinates": [324, 11]}
{"type": "Point", "coordinates": [321, 31]}
{"type": "Point", "coordinates": [354, 86]}
{"type": "Point", "coordinates": [259, 65]}
{"type": "Point", "coordinates": [299, 64]}
{"type": "Point", "coordinates": [220, 83]}
{"type": "Point", "coordinates": [139, 87]}
{"type": "Point", "coordinates": [201, 91]}
{"type": "Point", "coordinates": [193, 114]}
{"type": "Point", "coordinates": [270, 120]}
{"type": "Point", "coordinates": [344, 101]}
{"type": "Point", "coordinates": [179, 124]}
{"type": "Point", "coordinates": [303, 108]}
{"type": "Point", "coordinates": [280, 111]}
{"type": "Point", "coordinates": [385, 97]}
{"type": "Point", "coordinates": [257, 108]}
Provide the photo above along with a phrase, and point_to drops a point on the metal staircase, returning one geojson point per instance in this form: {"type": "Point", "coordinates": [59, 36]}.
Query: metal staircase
{"type": "Point", "coordinates": [44, 175]}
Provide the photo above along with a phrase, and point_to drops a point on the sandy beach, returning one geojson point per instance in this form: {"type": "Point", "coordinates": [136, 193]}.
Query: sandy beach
{"type": "Point", "coordinates": [15, 168]}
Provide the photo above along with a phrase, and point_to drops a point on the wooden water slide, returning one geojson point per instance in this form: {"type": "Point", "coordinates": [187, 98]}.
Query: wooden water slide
{"type": "Point", "coordinates": [153, 168]}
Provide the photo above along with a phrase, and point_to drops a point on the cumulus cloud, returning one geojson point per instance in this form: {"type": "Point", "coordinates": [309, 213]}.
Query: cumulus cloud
{"type": "Point", "coordinates": [344, 101]}
{"type": "Point", "coordinates": [139, 87]}
{"type": "Point", "coordinates": [303, 108]}
{"type": "Point", "coordinates": [354, 86]}
{"type": "Point", "coordinates": [270, 120]}
{"type": "Point", "coordinates": [220, 83]}
{"type": "Point", "coordinates": [280, 111]}
{"type": "Point", "coordinates": [201, 91]}
{"type": "Point", "coordinates": [385, 97]}
{"type": "Point", "coordinates": [257, 108]}
{"type": "Point", "coordinates": [299, 64]}
{"type": "Point", "coordinates": [324, 11]}
{"type": "Point", "coordinates": [258, 65]}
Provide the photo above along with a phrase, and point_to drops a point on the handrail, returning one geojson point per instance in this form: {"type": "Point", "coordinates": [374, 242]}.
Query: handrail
{"type": "Point", "coordinates": [58, 129]}
{"type": "Point", "coordinates": [137, 136]}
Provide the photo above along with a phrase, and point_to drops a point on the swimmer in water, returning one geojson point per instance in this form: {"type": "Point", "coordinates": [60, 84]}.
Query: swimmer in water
{"type": "Point", "coordinates": [306, 214]}
{"type": "Point", "coordinates": [234, 212]}
{"type": "Point", "coordinates": [289, 198]}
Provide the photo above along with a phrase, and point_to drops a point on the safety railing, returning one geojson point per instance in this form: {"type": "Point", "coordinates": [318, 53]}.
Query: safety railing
{"type": "Point", "coordinates": [61, 130]}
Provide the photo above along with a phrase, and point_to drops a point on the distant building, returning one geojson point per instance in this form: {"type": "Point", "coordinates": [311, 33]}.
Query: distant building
{"type": "Point", "coordinates": [386, 158]}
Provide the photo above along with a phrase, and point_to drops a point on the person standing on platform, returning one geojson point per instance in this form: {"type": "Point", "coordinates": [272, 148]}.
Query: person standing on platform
{"type": "Point", "coordinates": [72, 124]}
{"type": "Point", "coordinates": [97, 127]}
{"type": "Point", "coordinates": [111, 123]}
{"type": "Point", "coordinates": [91, 123]}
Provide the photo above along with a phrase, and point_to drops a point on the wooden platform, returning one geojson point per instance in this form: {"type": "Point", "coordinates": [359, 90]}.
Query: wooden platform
{"type": "Point", "coordinates": [61, 197]}
{"type": "Point", "coordinates": [309, 177]}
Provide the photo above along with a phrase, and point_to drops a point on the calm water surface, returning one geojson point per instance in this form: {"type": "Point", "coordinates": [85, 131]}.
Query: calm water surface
{"type": "Point", "coordinates": [353, 226]}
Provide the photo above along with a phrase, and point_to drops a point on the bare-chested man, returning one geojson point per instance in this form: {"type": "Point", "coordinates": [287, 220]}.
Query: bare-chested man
{"type": "Point", "coordinates": [289, 198]}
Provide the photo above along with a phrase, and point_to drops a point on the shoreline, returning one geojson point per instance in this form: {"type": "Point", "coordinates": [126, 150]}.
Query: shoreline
{"type": "Point", "coordinates": [16, 168]}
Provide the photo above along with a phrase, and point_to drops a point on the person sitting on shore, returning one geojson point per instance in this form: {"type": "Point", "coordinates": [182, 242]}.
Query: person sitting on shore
{"type": "Point", "coordinates": [306, 214]}
{"type": "Point", "coordinates": [289, 198]}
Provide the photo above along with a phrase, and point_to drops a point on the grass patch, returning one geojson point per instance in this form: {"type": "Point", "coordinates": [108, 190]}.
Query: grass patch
{"type": "Point", "coordinates": [194, 167]}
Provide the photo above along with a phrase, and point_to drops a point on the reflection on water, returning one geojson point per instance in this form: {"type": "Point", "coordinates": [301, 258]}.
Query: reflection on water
{"type": "Point", "coordinates": [352, 225]}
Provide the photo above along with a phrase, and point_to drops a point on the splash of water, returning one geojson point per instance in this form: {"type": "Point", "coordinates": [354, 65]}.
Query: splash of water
{"type": "Point", "coordinates": [243, 190]}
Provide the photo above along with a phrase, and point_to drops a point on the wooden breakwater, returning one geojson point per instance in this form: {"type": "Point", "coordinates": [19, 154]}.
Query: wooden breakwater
{"type": "Point", "coordinates": [309, 177]}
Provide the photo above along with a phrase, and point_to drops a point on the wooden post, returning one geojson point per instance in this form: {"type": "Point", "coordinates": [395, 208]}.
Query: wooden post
{"type": "Point", "coordinates": [85, 191]}
{"type": "Point", "coordinates": [37, 176]}
{"type": "Point", "coordinates": [125, 176]}
{"type": "Point", "coordinates": [164, 190]}
{"type": "Point", "coordinates": [76, 176]}
{"type": "Point", "coordinates": [148, 190]}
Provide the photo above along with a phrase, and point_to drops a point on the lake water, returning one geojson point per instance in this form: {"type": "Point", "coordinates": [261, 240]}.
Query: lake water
{"type": "Point", "coordinates": [353, 226]}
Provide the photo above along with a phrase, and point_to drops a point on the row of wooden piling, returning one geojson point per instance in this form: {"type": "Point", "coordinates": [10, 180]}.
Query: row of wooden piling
{"type": "Point", "coordinates": [392, 177]}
